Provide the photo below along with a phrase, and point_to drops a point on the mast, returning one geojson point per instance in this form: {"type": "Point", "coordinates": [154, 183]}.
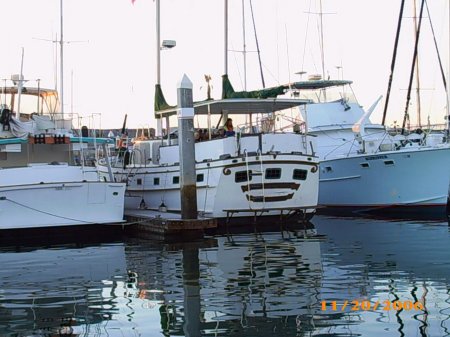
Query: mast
{"type": "Point", "coordinates": [244, 47]}
{"type": "Point", "coordinates": [447, 92]}
{"type": "Point", "coordinates": [417, 69]}
{"type": "Point", "coordinates": [61, 52]}
{"type": "Point", "coordinates": [158, 44]}
{"type": "Point", "coordinates": [321, 40]}
{"type": "Point", "coordinates": [408, 97]}
{"type": "Point", "coordinates": [158, 61]}
{"type": "Point", "coordinates": [394, 57]}
{"type": "Point", "coordinates": [225, 39]}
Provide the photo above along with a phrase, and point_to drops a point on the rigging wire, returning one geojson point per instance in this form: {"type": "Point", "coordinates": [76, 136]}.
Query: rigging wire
{"type": "Point", "coordinates": [437, 49]}
{"type": "Point", "coordinates": [257, 46]}
{"type": "Point", "coordinates": [306, 36]}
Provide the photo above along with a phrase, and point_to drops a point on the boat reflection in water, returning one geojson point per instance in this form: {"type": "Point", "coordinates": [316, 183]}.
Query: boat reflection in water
{"type": "Point", "coordinates": [56, 288]}
{"type": "Point", "coordinates": [230, 282]}
{"type": "Point", "coordinates": [258, 284]}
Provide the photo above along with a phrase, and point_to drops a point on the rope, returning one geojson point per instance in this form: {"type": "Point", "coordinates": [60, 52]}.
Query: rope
{"type": "Point", "coordinates": [206, 192]}
{"type": "Point", "coordinates": [47, 213]}
{"type": "Point", "coordinates": [67, 218]}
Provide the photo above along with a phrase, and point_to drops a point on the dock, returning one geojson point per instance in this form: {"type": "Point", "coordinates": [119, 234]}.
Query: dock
{"type": "Point", "coordinates": [167, 224]}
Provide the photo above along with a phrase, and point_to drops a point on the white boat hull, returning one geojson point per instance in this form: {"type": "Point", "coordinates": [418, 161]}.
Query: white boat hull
{"type": "Point", "coordinates": [408, 178]}
{"type": "Point", "coordinates": [219, 195]}
{"type": "Point", "coordinates": [60, 195]}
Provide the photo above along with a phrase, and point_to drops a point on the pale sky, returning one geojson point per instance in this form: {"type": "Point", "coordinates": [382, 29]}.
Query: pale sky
{"type": "Point", "coordinates": [114, 67]}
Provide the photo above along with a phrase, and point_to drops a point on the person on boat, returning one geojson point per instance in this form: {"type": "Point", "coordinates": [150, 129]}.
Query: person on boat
{"type": "Point", "coordinates": [229, 129]}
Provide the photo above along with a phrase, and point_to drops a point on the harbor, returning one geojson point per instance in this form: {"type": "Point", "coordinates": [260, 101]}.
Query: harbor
{"type": "Point", "coordinates": [236, 169]}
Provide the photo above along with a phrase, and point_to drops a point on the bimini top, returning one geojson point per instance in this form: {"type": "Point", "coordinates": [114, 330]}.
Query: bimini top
{"type": "Point", "coordinates": [236, 106]}
{"type": "Point", "coordinates": [29, 91]}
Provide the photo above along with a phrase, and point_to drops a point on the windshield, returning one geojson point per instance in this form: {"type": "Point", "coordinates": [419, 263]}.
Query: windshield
{"type": "Point", "coordinates": [324, 95]}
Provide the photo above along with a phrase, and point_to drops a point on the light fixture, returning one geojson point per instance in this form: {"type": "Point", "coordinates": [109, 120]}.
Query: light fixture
{"type": "Point", "coordinates": [168, 44]}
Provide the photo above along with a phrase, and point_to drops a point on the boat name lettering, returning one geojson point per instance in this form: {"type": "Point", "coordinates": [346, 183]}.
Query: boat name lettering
{"type": "Point", "coordinates": [376, 157]}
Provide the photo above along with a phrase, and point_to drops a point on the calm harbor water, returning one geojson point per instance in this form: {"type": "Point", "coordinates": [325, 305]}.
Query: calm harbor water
{"type": "Point", "coordinates": [273, 283]}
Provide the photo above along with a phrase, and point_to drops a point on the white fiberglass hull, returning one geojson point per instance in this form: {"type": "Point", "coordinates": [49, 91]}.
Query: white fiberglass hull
{"type": "Point", "coordinates": [220, 192]}
{"type": "Point", "coordinates": [50, 196]}
{"type": "Point", "coordinates": [409, 179]}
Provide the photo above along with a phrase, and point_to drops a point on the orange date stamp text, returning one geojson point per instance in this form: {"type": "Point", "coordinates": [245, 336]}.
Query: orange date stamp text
{"type": "Point", "coordinates": [364, 305]}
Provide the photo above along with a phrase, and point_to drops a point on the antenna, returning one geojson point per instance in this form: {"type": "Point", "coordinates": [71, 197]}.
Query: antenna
{"type": "Point", "coordinates": [61, 55]}
{"type": "Point", "coordinates": [321, 39]}
{"type": "Point", "coordinates": [244, 46]}
{"type": "Point", "coordinates": [19, 82]}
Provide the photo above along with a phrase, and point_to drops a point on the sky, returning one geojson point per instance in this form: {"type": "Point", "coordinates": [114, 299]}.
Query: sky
{"type": "Point", "coordinates": [110, 54]}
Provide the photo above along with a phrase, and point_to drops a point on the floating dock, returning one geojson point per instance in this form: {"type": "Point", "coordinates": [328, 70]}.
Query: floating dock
{"type": "Point", "coordinates": [167, 224]}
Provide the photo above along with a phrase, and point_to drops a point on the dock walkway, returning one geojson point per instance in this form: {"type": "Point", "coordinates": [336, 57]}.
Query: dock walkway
{"type": "Point", "coordinates": [167, 223]}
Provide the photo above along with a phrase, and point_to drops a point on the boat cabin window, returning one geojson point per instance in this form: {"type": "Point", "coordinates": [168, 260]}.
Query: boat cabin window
{"type": "Point", "coordinates": [364, 165]}
{"type": "Point", "coordinates": [242, 176]}
{"type": "Point", "coordinates": [273, 173]}
{"type": "Point", "coordinates": [155, 181]}
{"type": "Point", "coordinates": [200, 177]}
{"type": "Point", "coordinates": [300, 174]}
{"type": "Point", "coordinates": [175, 180]}
{"type": "Point", "coordinates": [388, 162]}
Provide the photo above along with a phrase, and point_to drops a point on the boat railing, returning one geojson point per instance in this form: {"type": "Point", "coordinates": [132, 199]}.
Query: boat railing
{"type": "Point", "coordinates": [370, 143]}
{"type": "Point", "coordinates": [142, 157]}
{"type": "Point", "coordinates": [145, 132]}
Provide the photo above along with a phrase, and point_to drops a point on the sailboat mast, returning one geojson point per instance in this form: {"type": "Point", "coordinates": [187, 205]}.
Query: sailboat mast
{"type": "Point", "coordinates": [408, 97]}
{"type": "Point", "coordinates": [158, 61]}
{"type": "Point", "coordinates": [158, 43]}
{"type": "Point", "coordinates": [447, 92]}
{"type": "Point", "coordinates": [61, 56]}
{"type": "Point", "coordinates": [419, 123]}
{"type": "Point", "coordinates": [244, 46]}
{"type": "Point", "coordinates": [225, 38]}
{"type": "Point", "coordinates": [321, 40]}
{"type": "Point", "coordinates": [394, 57]}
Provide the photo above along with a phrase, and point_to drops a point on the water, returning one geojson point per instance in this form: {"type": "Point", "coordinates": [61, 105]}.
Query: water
{"type": "Point", "coordinates": [288, 283]}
